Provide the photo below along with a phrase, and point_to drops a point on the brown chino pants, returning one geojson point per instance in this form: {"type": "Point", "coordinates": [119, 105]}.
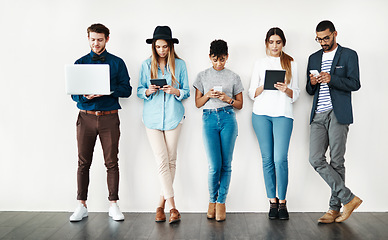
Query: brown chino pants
{"type": "Point", "coordinates": [107, 127]}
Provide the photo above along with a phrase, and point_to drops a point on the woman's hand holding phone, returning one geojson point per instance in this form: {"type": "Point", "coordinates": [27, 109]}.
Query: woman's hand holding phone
{"type": "Point", "coordinates": [170, 90]}
{"type": "Point", "coordinates": [212, 94]}
{"type": "Point", "coordinates": [152, 89]}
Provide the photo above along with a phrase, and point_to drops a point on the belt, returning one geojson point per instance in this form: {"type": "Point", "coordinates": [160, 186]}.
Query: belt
{"type": "Point", "coordinates": [99, 113]}
{"type": "Point", "coordinates": [218, 109]}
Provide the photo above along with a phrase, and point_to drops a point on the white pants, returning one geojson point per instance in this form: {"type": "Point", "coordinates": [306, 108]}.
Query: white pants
{"type": "Point", "coordinates": [164, 145]}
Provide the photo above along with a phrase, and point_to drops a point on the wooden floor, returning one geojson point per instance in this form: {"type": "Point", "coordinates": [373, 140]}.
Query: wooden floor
{"type": "Point", "coordinates": [56, 225]}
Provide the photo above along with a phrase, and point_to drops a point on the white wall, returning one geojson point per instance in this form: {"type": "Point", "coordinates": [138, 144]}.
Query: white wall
{"type": "Point", "coordinates": [38, 150]}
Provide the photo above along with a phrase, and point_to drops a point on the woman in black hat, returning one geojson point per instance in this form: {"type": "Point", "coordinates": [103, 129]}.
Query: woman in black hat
{"type": "Point", "coordinates": [163, 112]}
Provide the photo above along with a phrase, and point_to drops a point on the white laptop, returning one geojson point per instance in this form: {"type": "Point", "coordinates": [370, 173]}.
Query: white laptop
{"type": "Point", "coordinates": [87, 79]}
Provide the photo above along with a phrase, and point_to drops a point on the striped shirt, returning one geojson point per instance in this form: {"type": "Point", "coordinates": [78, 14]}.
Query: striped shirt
{"type": "Point", "coordinates": [324, 100]}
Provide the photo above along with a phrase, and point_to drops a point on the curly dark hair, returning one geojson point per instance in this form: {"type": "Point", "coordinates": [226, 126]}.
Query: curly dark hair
{"type": "Point", "coordinates": [218, 48]}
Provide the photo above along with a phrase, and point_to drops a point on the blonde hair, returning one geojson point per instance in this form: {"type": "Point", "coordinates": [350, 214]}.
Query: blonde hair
{"type": "Point", "coordinates": [285, 59]}
{"type": "Point", "coordinates": [171, 56]}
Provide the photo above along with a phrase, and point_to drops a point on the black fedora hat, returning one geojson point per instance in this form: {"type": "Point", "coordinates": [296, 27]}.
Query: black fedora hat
{"type": "Point", "coordinates": [162, 32]}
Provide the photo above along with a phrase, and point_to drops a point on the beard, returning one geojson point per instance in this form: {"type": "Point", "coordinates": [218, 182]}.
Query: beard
{"type": "Point", "coordinates": [102, 49]}
{"type": "Point", "coordinates": [328, 47]}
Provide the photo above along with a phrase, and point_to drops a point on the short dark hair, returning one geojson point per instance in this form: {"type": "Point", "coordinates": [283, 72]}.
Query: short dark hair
{"type": "Point", "coordinates": [98, 28]}
{"type": "Point", "coordinates": [218, 48]}
{"type": "Point", "coordinates": [326, 24]}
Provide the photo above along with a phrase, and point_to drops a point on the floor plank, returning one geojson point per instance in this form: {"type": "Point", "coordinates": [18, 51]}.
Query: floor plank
{"type": "Point", "coordinates": [70, 229]}
{"type": "Point", "coordinates": [118, 229]}
{"type": "Point", "coordinates": [41, 233]}
{"type": "Point", "coordinates": [187, 228]}
{"type": "Point", "coordinates": [304, 226]}
{"type": "Point", "coordinates": [234, 227]}
{"type": "Point", "coordinates": [5, 217]}
{"type": "Point", "coordinates": [56, 225]}
{"type": "Point", "coordinates": [28, 222]}
{"type": "Point", "coordinates": [142, 227]}
{"type": "Point", "coordinates": [94, 228]}
{"type": "Point", "coordinates": [18, 219]}
{"type": "Point", "coordinates": [373, 227]}
{"type": "Point", "coordinates": [5, 230]}
{"type": "Point", "coordinates": [51, 224]}
{"type": "Point", "coordinates": [349, 229]}
{"type": "Point", "coordinates": [382, 216]}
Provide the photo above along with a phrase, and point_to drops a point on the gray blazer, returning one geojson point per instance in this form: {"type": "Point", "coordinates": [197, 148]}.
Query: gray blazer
{"type": "Point", "coordinates": [345, 78]}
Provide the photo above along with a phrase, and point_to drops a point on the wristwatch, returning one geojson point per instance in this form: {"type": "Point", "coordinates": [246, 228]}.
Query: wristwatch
{"type": "Point", "coordinates": [231, 101]}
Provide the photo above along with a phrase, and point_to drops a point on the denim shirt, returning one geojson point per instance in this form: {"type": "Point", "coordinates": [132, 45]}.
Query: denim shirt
{"type": "Point", "coordinates": [161, 110]}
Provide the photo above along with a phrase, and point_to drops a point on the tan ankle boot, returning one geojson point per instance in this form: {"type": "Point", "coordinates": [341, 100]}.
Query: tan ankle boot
{"type": "Point", "coordinates": [160, 215]}
{"type": "Point", "coordinates": [329, 216]}
{"type": "Point", "coordinates": [211, 211]}
{"type": "Point", "coordinates": [175, 216]}
{"type": "Point", "coordinates": [349, 208]}
{"type": "Point", "coordinates": [220, 212]}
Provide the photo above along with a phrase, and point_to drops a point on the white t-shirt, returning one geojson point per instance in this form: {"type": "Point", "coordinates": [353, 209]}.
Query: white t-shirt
{"type": "Point", "coordinates": [273, 103]}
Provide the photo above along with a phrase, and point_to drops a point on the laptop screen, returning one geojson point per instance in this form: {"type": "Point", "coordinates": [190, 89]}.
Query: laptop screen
{"type": "Point", "coordinates": [86, 79]}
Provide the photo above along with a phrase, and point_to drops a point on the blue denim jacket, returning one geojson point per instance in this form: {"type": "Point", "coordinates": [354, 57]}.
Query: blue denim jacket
{"type": "Point", "coordinates": [161, 110]}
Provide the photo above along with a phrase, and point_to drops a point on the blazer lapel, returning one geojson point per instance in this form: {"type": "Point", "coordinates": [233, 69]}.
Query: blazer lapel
{"type": "Point", "coordinates": [320, 60]}
{"type": "Point", "coordinates": [336, 58]}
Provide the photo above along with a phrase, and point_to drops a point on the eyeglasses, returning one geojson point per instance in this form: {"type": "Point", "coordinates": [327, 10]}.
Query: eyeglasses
{"type": "Point", "coordinates": [325, 39]}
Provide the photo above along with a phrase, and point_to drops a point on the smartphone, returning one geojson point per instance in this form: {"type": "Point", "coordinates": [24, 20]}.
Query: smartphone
{"type": "Point", "coordinates": [159, 82]}
{"type": "Point", "coordinates": [217, 88]}
{"type": "Point", "coordinates": [314, 72]}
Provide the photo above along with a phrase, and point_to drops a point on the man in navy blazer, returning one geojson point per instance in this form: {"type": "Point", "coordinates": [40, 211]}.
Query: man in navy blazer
{"type": "Point", "coordinates": [336, 76]}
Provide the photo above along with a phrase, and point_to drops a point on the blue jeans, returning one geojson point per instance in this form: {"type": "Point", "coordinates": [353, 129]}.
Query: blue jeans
{"type": "Point", "coordinates": [219, 134]}
{"type": "Point", "coordinates": [273, 134]}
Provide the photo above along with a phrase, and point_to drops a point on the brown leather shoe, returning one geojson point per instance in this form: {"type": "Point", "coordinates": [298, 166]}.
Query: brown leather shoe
{"type": "Point", "coordinates": [349, 208]}
{"type": "Point", "coordinates": [175, 216]}
{"type": "Point", "coordinates": [220, 212]}
{"type": "Point", "coordinates": [160, 215]}
{"type": "Point", "coordinates": [329, 217]}
{"type": "Point", "coordinates": [211, 211]}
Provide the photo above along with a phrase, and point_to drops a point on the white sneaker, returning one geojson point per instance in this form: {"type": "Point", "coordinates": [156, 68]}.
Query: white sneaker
{"type": "Point", "coordinates": [80, 212]}
{"type": "Point", "coordinates": [115, 213]}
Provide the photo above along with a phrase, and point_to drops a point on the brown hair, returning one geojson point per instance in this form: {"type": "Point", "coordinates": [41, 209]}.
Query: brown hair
{"type": "Point", "coordinates": [98, 28]}
{"type": "Point", "coordinates": [285, 59]}
{"type": "Point", "coordinates": [171, 56]}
